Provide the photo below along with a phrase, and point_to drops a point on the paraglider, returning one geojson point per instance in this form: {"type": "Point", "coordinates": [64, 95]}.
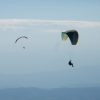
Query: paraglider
{"type": "Point", "coordinates": [73, 36]}
{"type": "Point", "coordinates": [23, 47]}
{"type": "Point", "coordinates": [20, 38]}
{"type": "Point", "coordinates": [70, 63]}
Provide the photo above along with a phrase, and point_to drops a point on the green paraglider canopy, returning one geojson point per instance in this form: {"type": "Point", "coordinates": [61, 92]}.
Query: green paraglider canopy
{"type": "Point", "coordinates": [72, 34]}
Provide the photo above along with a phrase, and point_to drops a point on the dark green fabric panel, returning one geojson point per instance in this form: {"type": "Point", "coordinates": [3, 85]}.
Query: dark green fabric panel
{"type": "Point", "coordinates": [73, 36]}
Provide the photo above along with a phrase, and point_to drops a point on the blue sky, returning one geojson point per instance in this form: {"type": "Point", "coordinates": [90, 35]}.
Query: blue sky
{"type": "Point", "coordinates": [42, 22]}
{"type": "Point", "coordinates": [53, 9]}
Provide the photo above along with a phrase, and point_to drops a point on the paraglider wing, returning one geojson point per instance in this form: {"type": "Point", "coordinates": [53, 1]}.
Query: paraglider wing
{"type": "Point", "coordinates": [72, 34]}
{"type": "Point", "coordinates": [64, 36]}
{"type": "Point", "coordinates": [21, 37]}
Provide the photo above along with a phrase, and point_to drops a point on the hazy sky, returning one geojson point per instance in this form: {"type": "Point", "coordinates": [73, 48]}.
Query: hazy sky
{"type": "Point", "coordinates": [42, 21]}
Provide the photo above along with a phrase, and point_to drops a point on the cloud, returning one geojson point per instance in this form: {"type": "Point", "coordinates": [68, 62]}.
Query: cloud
{"type": "Point", "coordinates": [51, 30]}
{"type": "Point", "coordinates": [22, 23]}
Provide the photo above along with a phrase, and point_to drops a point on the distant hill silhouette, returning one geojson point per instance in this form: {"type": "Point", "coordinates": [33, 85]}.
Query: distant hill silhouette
{"type": "Point", "coordinates": [91, 93]}
{"type": "Point", "coordinates": [71, 77]}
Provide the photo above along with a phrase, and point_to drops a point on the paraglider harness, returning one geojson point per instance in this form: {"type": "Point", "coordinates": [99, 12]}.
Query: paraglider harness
{"type": "Point", "coordinates": [70, 63]}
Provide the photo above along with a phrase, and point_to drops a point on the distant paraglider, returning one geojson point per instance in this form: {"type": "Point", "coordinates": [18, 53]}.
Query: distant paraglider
{"type": "Point", "coordinates": [20, 38]}
{"type": "Point", "coordinates": [23, 47]}
{"type": "Point", "coordinates": [73, 36]}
